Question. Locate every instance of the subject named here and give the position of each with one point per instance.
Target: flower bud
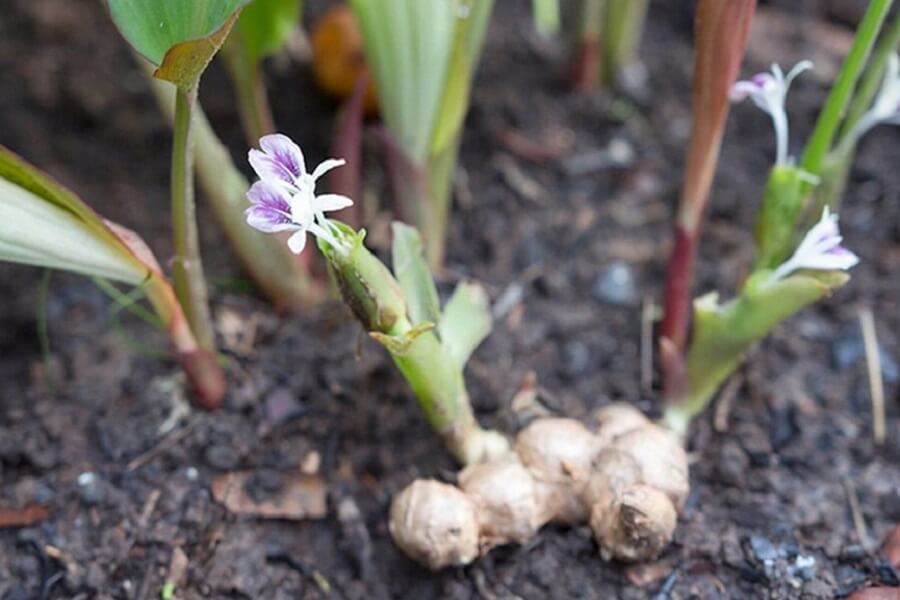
(509, 506)
(435, 524)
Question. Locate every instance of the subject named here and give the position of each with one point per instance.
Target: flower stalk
(278, 274)
(187, 267)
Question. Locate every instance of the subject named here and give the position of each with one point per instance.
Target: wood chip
(22, 517)
(301, 497)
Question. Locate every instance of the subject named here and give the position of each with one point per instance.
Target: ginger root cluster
(628, 480)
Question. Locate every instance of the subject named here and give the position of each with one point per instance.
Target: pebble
(91, 489)
(221, 457)
(616, 285)
(576, 358)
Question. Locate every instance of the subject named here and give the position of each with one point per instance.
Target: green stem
(723, 333)
(187, 268)
(435, 376)
(247, 81)
(820, 142)
(871, 79)
(264, 257)
(624, 26)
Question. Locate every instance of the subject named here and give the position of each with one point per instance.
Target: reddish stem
(721, 28)
(347, 180)
(584, 70)
(677, 298)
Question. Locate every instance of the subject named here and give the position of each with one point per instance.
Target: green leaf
(468, 37)
(266, 25)
(466, 321)
(44, 224)
(722, 334)
(180, 37)
(412, 272)
(776, 222)
(399, 345)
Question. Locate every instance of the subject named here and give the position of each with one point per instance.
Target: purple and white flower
(284, 199)
(886, 107)
(769, 91)
(820, 250)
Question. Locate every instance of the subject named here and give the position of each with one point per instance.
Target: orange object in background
(338, 56)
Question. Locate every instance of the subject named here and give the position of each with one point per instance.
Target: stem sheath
(187, 267)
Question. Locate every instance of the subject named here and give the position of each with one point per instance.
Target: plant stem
(624, 26)
(187, 268)
(871, 79)
(820, 142)
(264, 257)
(721, 30)
(250, 90)
(435, 376)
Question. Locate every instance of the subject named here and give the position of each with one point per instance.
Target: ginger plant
(800, 257)
(430, 346)
(628, 480)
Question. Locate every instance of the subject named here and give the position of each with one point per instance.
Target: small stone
(733, 464)
(576, 358)
(763, 550)
(616, 285)
(91, 489)
(192, 474)
(221, 457)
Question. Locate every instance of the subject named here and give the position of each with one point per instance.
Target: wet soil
(790, 497)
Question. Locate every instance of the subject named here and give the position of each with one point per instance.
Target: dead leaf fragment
(300, 497)
(891, 547)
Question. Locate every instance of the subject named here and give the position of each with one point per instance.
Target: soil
(790, 496)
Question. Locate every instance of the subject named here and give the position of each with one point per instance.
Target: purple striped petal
(285, 152)
(268, 169)
(270, 208)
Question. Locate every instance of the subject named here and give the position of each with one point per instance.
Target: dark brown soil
(770, 514)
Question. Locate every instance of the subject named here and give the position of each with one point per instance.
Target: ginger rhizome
(628, 480)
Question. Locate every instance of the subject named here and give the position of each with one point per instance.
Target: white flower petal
(327, 165)
(297, 242)
(329, 202)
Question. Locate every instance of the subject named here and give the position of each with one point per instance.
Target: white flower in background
(886, 107)
(284, 199)
(768, 91)
(820, 250)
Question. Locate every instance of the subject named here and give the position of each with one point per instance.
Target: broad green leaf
(466, 321)
(412, 272)
(266, 25)
(180, 37)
